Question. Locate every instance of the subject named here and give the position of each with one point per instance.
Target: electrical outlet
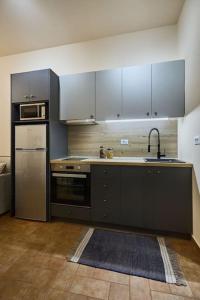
(124, 142)
(197, 140)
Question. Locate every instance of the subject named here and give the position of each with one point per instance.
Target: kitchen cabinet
(132, 196)
(167, 201)
(30, 86)
(105, 194)
(108, 94)
(156, 198)
(168, 89)
(77, 96)
(136, 92)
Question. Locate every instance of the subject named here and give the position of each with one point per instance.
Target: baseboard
(194, 239)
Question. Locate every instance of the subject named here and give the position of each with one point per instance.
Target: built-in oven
(71, 185)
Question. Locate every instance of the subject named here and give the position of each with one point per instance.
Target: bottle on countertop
(102, 152)
(110, 153)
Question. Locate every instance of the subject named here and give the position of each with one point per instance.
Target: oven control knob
(78, 167)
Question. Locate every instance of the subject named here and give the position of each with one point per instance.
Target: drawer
(107, 173)
(105, 215)
(69, 211)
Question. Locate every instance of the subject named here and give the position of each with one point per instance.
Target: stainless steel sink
(165, 160)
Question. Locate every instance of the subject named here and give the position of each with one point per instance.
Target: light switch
(124, 141)
(197, 140)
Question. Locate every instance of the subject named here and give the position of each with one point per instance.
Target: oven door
(70, 188)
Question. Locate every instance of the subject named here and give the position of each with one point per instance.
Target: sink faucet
(159, 155)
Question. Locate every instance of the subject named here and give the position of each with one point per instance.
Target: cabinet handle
(147, 113)
(105, 171)
(31, 96)
(118, 115)
(104, 200)
(91, 117)
(105, 215)
(105, 186)
(155, 113)
(26, 97)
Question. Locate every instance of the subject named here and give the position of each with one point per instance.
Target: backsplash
(86, 140)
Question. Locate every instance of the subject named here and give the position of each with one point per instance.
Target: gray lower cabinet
(158, 198)
(77, 96)
(105, 194)
(168, 89)
(168, 199)
(31, 86)
(70, 211)
(136, 92)
(108, 94)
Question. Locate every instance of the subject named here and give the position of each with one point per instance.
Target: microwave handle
(69, 175)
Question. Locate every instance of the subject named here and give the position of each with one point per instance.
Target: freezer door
(30, 136)
(30, 184)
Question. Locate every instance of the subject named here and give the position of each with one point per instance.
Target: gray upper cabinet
(30, 86)
(77, 96)
(108, 94)
(168, 89)
(136, 91)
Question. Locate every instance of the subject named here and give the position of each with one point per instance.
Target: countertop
(127, 161)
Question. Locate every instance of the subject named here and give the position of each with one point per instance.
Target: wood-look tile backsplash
(86, 140)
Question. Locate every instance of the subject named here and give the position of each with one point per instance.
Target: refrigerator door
(30, 184)
(30, 136)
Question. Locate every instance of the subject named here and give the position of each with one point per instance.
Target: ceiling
(27, 25)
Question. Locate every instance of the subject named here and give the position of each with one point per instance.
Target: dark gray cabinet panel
(168, 199)
(69, 211)
(168, 89)
(158, 198)
(105, 194)
(132, 191)
(77, 96)
(39, 85)
(30, 86)
(108, 94)
(136, 91)
(20, 90)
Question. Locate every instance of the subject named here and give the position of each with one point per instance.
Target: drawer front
(106, 214)
(105, 173)
(68, 211)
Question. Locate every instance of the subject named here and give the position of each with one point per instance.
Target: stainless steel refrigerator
(30, 171)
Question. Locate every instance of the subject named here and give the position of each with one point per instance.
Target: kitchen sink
(165, 160)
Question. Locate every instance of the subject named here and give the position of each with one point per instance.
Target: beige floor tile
(90, 287)
(163, 296)
(63, 280)
(111, 276)
(14, 290)
(195, 287)
(139, 288)
(159, 286)
(181, 290)
(85, 271)
(118, 292)
(72, 296)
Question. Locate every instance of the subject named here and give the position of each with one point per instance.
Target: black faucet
(159, 155)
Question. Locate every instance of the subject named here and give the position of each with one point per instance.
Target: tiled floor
(33, 266)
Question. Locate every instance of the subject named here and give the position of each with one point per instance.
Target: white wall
(189, 48)
(148, 46)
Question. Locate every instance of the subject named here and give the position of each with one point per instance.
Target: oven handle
(69, 175)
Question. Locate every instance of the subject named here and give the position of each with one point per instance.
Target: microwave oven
(33, 111)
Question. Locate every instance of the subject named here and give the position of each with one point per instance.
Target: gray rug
(129, 253)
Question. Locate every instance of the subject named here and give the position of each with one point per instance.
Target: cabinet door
(77, 96)
(168, 89)
(108, 94)
(168, 199)
(39, 83)
(105, 194)
(20, 87)
(132, 196)
(136, 91)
